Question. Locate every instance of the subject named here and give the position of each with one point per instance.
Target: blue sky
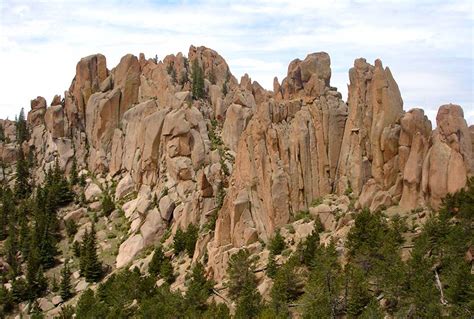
(428, 45)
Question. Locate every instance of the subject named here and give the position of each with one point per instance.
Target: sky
(428, 45)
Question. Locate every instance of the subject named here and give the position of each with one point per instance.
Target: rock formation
(248, 157)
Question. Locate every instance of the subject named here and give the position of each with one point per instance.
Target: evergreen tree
(323, 290)
(358, 292)
(199, 289)
(35, 279)
(83, 255)
(277, 244)
(198, 81)
(73, 174)
(6, 211)
(11, 248)
(22, 185)
(65, 285)
(242, 285)
(20, 290)
(91, 267)
(46, 226)
(156, 261)
(271, 266)
(167, 271)
(309, 247)
(21, 128)
(2, 133)
(107, 203)
(88, 307)
(7, 302)
(286, 288)
(24, 231)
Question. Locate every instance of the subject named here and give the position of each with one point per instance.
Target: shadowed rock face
(270, 153)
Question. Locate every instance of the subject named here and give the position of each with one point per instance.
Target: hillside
(188, 193)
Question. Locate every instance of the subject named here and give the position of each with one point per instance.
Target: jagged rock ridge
(271, 152)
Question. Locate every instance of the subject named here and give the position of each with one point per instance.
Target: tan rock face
(271, 153)
(38, 108)
(286, 157)
(413, 147)
(90, 72)
(448, 162)
(306, 78)
(374, 105)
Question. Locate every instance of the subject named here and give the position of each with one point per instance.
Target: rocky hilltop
(235, 159)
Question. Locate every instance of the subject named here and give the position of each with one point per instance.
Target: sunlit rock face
(250, 158)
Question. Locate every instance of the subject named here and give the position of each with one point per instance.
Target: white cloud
(427, 44)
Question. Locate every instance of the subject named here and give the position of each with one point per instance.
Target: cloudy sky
(428, 45)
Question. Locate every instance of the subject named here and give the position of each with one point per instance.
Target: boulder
(124, 187)
(45, 305)
(92, 192)
(75, 215)
(56, 300)
(129, 249)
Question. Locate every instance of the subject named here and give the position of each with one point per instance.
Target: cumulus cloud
(427, 44)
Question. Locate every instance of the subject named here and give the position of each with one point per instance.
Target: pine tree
(21, 128)
(358, 291)
(198, 81)
(24, 231)
(74, 175)
(7, 210)
(199, 289)
(35, 279)
(83, 255)
(286, 288)
(22, 185)
(91, 267)
(157, 261)
(65, 285)
(11, 248)
(242, 285)
(323, 290)
(271, 266)
(2, 133)
(277, 244)
(167, 271)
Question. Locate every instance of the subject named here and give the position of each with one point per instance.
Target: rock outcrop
(243, 158)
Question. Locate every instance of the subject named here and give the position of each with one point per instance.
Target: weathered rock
(92, 192)
(374, 105)
(152, 227)
(75, 215)
(129, 249)
(45, 304)
(124, 187)
(448, 161)
(56, 300)
(90, 72)
(38, 110)
(54, 120)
